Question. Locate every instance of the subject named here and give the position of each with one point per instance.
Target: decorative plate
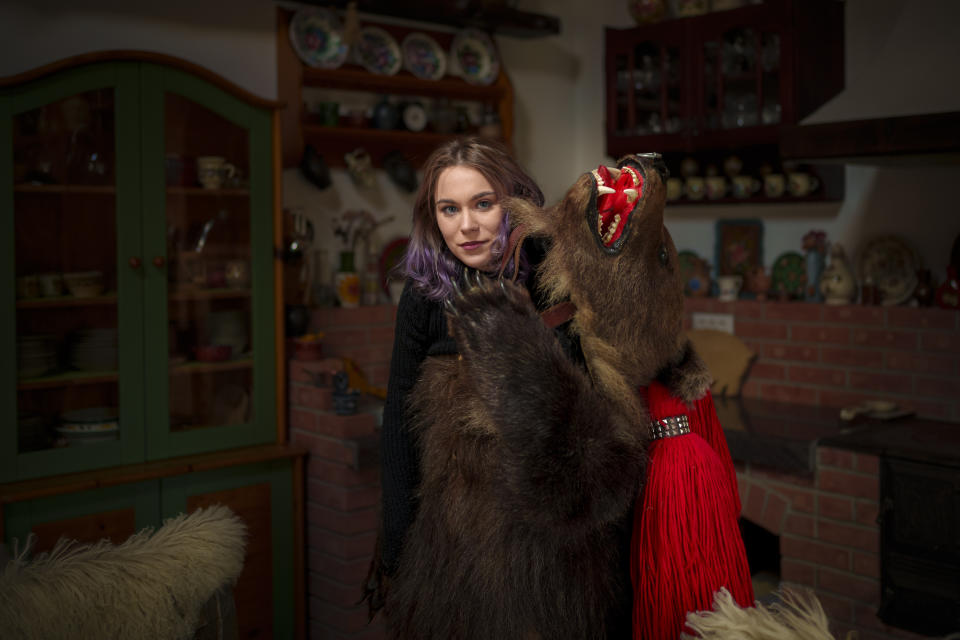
(378, 52)
(423, 57)
(789, 274)
(892, 265)
(316, 37)
(390, 257)
(474, 58)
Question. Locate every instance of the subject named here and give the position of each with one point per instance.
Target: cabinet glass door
(72, 262)
(204, 240)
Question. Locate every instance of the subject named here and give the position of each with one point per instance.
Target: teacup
(745, 186)
(801, 184)
(213, 170)
(51, 284)
(674, 188)
(774, 185)
(729, 287)
(716, 187)
(695, 187)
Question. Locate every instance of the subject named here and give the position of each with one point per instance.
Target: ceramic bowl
(84, 284)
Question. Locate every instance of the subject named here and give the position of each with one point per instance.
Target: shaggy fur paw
(484, 310)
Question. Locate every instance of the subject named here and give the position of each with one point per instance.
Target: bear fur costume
(531, 462)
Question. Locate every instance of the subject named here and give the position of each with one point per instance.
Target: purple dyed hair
(428, 262)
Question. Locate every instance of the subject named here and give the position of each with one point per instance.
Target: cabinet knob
(134, 262)
(158, 262)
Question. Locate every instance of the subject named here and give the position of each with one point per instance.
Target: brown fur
(531, 464)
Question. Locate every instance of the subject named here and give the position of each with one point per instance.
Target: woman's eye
(448, 210)
(484, 204)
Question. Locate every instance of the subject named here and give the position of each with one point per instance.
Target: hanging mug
(213, 170)
(360, 166)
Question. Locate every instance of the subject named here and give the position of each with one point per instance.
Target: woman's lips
(468, 246)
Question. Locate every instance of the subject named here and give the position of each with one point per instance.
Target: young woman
(459, 223)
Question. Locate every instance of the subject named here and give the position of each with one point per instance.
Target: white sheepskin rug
(153, 585)
(798, 616)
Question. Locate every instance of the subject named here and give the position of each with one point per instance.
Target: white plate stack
(36, 355)
(90, 425)
(94, 350)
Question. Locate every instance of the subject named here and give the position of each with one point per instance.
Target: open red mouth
(617, 193)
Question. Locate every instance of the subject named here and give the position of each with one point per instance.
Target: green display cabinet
(136, 265)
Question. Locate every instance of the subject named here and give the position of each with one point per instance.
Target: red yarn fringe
(686, 542)
(704, 422)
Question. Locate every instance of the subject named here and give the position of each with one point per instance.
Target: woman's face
(468, 215)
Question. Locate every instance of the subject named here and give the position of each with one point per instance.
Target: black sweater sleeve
(416, 328)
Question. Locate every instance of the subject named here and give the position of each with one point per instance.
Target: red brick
(342, 336)
(798, 572)
(866, 512)
(801, 501)
(846, 584)
(848, 484)
(753, 508)
(786, 393)
(341, 474)
(866, 463)
(699, 304)
(884, 338)
(768, 371)
(346, 427)
(324, 447)
(941, 387)
(329, 318)
(349, 547)
(820, 334)
(837, 609)
(834, 507)
(759, 329)
(817, 375)
(799, 525)
(773, 513)
(815, 552)
(867, 358)
(347, 571)
(346, 522)
(831, 398)
(852, 314)
(794, 312)
(866, 564)
(789, 352)
(381, 335)
(314, 370)
(751, 389)
(303, 419)
(859, 537)
(835, 458)
(313, 397)
(342, 498)
(913, 318)
(887, 382)
(920, 363)
(749, 310)
(941, 341)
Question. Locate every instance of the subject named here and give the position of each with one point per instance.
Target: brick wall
(842, 355)
(808, 353)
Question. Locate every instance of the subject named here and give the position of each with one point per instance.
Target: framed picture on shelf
(739, 246)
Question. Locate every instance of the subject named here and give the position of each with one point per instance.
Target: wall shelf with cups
(721, 81)
(423, 77)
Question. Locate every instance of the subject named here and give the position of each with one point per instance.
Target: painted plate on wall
(789, 274)
(892, 265)
(378, 52)
(423, 57)
(474, 58)
(316, 37)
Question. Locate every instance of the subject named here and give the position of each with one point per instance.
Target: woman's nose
(468, 221)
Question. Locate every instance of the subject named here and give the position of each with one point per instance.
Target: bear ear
(533, 217)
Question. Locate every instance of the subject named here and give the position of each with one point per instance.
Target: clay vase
(837, 283)
(757, 282)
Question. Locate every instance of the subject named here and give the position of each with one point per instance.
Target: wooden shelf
(753, 208)
(67, 379)
(67, 301)
(403, 83)
(334, 142)
(201, 191)
(184, 295)
(211, 367)
(72, 189)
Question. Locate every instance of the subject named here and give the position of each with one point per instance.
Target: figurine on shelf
(836, 282)
(344, 398)
(815, 250)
